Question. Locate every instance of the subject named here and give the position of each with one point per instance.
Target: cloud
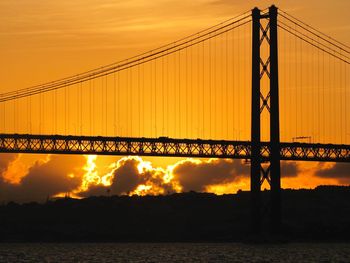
(5, 160)
(59, 174)
(132, 175)
(340, 171)
(126, 177)
(198, 175)
(289, 169)
(135, 176)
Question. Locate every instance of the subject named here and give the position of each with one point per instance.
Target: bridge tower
(265, 102)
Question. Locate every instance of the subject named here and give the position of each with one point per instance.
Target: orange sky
(47, 40)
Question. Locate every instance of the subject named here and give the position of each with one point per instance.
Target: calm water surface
(178, 252)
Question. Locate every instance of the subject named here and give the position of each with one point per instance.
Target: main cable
(124, 64)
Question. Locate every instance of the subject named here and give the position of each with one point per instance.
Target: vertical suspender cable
(300, 98)
(131, 104)
(334, 102)
(281, 55)
(90, 108)
(102, 111)
(27, 100)
(341, 96)
(330, 124)
(203, 91)
(215, 88)
(239, 95)
(3, 117)
(56, 121)
(81, 107)
(150, 107)
(179, 96)
(226, 86)
(106, 105)
(118, 122)
(296, 86)
(210, 97)
(30, 114)
(39, 113)
(65, 111)
(143, 98)
(52, 113)
(139, 100)
(233, 85)
(309, 104)
(318, 81)
(155, 98)
(186, 92)
(244, 83)
(68, 106)
(193, 101)
(93, 108)
(324, 116)
(175, 96)
(14, 116)
(114, 103)
(346, 105)
(220, 95)
(167, 95)
(127, 108)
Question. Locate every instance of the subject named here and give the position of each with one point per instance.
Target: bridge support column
(255, 187)
(260, 102)
(274, 126)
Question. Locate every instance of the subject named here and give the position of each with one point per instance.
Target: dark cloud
(46, 179)
(340, 171)
(127, 177)
(197, 176)
(289, 169)
(5, 160)
(190, 175)
(50, 178)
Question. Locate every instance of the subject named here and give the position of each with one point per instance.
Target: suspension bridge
(252, 87)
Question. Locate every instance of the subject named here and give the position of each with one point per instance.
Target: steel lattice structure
(164, 146)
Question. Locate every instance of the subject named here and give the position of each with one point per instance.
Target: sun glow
(155, 180)
(142, 189)
(91, 175)
(143, 166)
(151, 180)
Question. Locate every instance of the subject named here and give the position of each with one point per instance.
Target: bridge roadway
(164, 146)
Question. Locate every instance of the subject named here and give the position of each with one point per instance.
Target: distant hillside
(322, 214)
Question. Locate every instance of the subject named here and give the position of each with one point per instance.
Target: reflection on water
(178, 252)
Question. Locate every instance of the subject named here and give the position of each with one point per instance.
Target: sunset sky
(43, 41)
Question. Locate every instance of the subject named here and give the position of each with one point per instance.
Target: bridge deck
(163, 146)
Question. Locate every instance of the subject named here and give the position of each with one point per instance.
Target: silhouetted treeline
(320, 214)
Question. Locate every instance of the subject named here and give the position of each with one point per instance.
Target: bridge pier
(274, 126)
(261, 102)
(255, 166)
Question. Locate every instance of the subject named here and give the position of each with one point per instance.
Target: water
(178, 252)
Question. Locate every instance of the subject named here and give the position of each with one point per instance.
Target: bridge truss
(164, 146)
